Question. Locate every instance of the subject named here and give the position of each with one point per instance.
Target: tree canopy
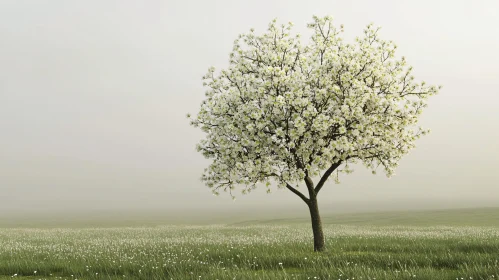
(287, 112)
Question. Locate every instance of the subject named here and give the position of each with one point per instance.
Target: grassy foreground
(253, 251)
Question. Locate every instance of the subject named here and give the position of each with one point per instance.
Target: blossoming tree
(287, 113)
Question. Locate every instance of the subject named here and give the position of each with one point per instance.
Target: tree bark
(319, 243)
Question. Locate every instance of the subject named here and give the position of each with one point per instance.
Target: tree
(290, 113)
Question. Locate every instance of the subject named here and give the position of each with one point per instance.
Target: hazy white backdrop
(93, 98)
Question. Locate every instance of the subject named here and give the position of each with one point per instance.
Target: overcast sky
(93, 98)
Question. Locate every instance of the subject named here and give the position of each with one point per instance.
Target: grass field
(453, 244)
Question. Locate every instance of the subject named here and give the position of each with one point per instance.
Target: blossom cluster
(285, 111)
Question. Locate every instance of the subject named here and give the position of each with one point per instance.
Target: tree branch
(298, 193)
(326, 176)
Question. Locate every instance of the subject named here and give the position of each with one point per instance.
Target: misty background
(94, 97)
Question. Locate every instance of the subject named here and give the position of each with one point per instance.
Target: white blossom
(283, 110)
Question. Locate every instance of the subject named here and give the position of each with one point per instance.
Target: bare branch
(326, 176)
(298, 193)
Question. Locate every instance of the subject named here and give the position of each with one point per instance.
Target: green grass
(419, 245)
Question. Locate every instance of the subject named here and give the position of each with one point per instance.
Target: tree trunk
(316, 225)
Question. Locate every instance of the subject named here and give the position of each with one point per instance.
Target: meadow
(458, 244)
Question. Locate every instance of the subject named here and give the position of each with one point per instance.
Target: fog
(94, 97)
